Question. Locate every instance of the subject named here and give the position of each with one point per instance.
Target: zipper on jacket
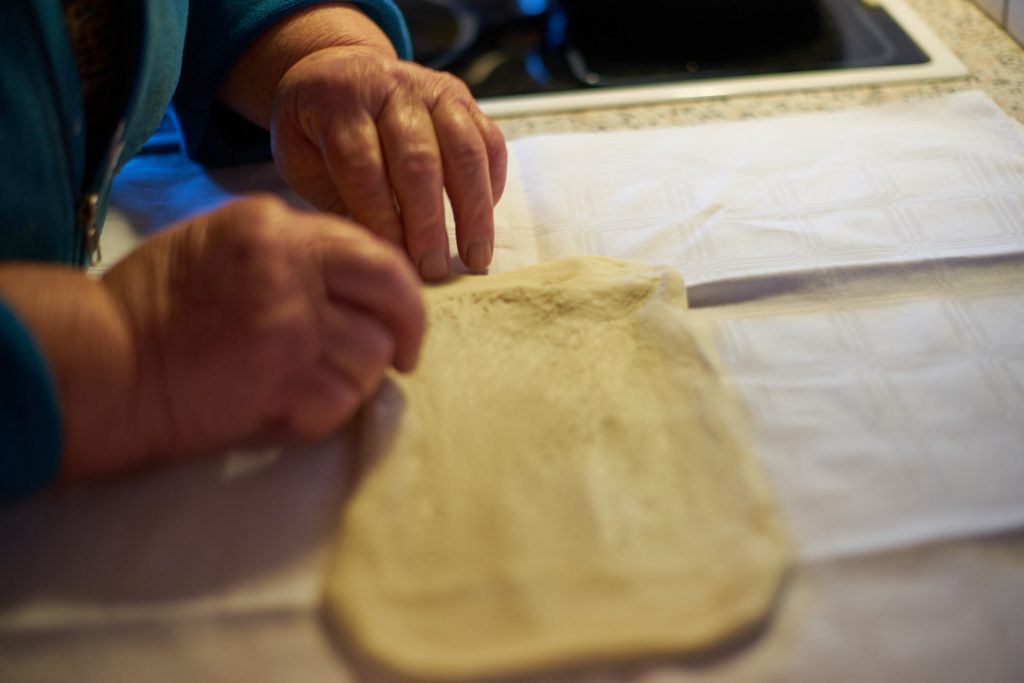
(87, 222)
(87, 208)
(95, 189)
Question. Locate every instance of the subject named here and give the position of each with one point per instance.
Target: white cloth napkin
(894, 184)
(833, 250)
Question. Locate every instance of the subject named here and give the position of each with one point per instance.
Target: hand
(358, 131)
(254, 319)
(258, 316)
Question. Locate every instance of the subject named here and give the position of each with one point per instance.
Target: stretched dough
(559, 482)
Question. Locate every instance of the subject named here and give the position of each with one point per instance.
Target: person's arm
(88, 349)
(218, 34)
(251, 320)
(356, 130)
(251, 85)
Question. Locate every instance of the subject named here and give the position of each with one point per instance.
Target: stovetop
(519, 56)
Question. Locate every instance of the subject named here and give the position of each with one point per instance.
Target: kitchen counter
(995, 60)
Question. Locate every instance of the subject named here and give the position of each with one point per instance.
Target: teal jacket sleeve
(218, 33)
(30, 429)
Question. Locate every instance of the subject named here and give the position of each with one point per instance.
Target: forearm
(89, 347)
(250, 87)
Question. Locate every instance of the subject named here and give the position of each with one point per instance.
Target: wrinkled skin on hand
(357, 132)
(259, 318)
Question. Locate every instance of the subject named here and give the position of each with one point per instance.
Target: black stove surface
(518, 47)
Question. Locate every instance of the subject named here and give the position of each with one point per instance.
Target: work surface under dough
(563, 480)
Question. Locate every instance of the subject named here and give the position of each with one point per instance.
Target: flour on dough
(561, 481)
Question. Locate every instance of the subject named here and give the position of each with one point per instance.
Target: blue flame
(532, 7)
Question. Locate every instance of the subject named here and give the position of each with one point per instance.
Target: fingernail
(478, 256)
(434, 265)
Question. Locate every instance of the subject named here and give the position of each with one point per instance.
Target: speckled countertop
(994, 59)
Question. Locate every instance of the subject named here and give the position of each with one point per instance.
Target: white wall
(994, 8)
(1015, 19)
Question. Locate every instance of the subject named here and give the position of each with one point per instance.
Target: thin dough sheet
(562, 481)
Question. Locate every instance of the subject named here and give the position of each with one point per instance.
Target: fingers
(356, 351)
(497, 152)
(364, 308)
(354, 159)
(399, 137)
(274, 249)
(372, 318)
(323, 403)
(416, 174)
(357, 347)
(449, 146)
(468, 178)
(374, 277)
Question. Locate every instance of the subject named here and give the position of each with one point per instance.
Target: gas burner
(524, 56)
